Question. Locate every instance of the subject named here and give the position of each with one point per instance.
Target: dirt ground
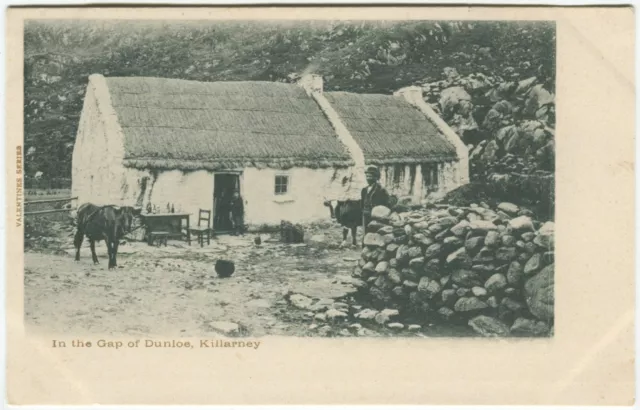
(174, 291)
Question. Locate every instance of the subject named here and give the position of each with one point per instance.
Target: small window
(412, 178)
(282, 184)
(430, 175)
(398, 175)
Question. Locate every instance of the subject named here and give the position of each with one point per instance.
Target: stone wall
(490, 269)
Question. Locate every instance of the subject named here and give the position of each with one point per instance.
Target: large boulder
(382, 267)
(461, 228)
(447, 221)
(538, 98)
(416, 263)
(423, 239)
(449, 297)
(533, 264)
(369, 267)
(511, 139)
(521, 223)
(458, 258)
(502, 111)
(446, 313)
(545, 236)
(395, 219)
(466, 278)
(506, 253)
(535, 133)
(489, 326)
(539, 293)
(433, 251)
(524, 86)
(451, 98)
(402, 253)
(373, 240)
(496, 283)
(483, 227)
(479, 291)
(432, 266)
(394, 276)
(376, 226)
(528, 327)
(429, 287)
(477, 150)
(490, 152)
(335, 314)
(366, 314)
(469, 304)
(509, 208)
(473, 245)
(388, 238)
(380, 213)
(492, 238)
(414, 252)
(452, 242)
(515, 273)
(385, 315)
(485, 255)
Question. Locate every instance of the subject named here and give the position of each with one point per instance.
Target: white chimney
(312, 83)
(412, 94)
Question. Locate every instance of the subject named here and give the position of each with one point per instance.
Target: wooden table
(166, 222)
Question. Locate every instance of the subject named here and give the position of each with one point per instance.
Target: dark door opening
(224, 185)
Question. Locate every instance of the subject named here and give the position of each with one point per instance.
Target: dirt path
(174, 291)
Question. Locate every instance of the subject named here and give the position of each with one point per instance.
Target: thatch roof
(170, 123)
(390, 130)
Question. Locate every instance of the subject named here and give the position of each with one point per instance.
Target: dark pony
(348, 214)
(109, 223)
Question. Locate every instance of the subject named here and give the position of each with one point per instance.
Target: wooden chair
(200, 230)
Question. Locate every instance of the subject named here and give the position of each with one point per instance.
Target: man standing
(373, 195)
(237, 213)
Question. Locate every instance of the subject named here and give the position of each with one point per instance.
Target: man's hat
(371, 170)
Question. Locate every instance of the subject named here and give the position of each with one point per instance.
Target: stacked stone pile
(491, 269)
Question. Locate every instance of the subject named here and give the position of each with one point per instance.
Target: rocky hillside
(499, 117)
(509, 128)
(492, 81)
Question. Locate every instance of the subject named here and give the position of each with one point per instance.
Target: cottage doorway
(224, 185)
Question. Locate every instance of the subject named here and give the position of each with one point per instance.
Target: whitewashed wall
(98, 151)
(414, 188)
(191, 191)
(308, 189)
(450, 176)
(404, 187)
(187, 191)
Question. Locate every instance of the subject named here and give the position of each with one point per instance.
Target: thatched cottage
(285, 147)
